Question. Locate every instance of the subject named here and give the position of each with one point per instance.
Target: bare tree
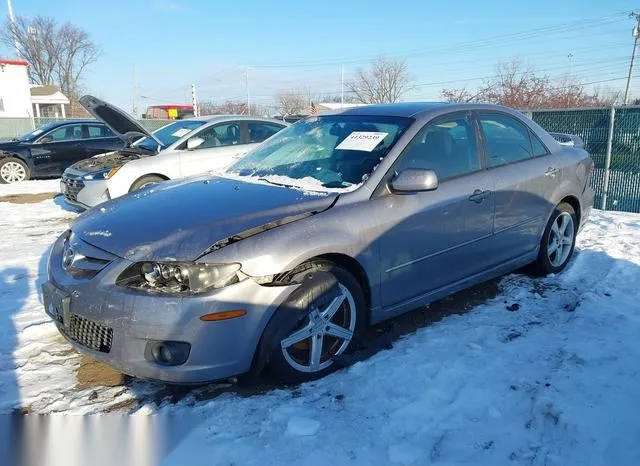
(56, 54)
(228, 107)
(386, 81)
(293, 102)
(519, 86)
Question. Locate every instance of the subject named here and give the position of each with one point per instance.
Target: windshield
(32, 135)
(169, 134)
(338, 151)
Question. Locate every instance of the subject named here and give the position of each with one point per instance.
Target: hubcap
(560, 239)
(324, 334)
(12, 172)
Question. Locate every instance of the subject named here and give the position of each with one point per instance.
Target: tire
(146, 181)
(321, 284)
(13, 170)
(557, 244)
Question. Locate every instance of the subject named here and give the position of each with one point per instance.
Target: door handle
(478, 196)
(551, 171)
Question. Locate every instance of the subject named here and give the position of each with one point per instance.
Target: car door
(57, 149)
(433, 239)
(222, 142)
(259, 131)
(522, 175)
(99, 139)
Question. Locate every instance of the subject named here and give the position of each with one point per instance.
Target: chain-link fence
(612, 137)
(14, 127)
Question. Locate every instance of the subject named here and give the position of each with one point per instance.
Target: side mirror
(414, 180)
(45, 139)
(194, 142)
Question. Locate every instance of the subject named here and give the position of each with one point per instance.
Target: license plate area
(56, 303)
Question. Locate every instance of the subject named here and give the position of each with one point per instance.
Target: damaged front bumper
(121, 326)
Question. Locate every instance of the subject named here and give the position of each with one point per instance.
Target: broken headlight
(179, 277)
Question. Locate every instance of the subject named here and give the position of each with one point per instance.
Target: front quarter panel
(166, 165)
(348, 229)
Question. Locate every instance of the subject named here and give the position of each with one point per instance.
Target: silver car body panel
(407, 250)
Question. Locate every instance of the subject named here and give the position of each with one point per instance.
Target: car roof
(74, 121)
(221, 118)
(414, 109)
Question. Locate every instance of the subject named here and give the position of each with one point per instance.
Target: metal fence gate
(612, 137)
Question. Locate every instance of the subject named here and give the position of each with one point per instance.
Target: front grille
(89, 334)
(72, 188)
(82, 260)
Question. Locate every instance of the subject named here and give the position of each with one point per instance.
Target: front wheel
(13, 170)
(332, 317)
(558, 241)
(145, 181)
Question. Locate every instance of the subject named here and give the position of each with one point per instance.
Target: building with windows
(48, 101)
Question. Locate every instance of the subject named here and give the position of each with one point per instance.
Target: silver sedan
(338, 222)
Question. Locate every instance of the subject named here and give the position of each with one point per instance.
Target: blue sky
(299, 44)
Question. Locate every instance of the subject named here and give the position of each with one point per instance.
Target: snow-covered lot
(545, 372)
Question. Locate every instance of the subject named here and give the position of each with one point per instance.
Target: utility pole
(194, 100)
(12, 21)
(135, 92)
(248, 91)
(636, 33)
(342, 87)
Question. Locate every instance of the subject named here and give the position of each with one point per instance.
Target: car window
(537, 146)
(258, 132)
(446, 145)
(506, 139)
(99, 131)
(66, 133)
(220, 135)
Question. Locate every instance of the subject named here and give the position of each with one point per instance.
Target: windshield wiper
(277, 184)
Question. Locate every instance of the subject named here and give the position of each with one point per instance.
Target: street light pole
(12, 21)
(636, 33)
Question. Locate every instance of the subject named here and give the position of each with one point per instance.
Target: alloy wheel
(12, 172)
(324, 334)
(561, 239)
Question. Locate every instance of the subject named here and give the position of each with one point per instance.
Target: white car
(179, 149)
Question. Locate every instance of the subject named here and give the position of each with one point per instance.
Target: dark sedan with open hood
(337, 222)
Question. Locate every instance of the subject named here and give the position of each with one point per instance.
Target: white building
(48, 101)
(15, 96)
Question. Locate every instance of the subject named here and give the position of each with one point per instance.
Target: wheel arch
(352, 266)
(159, 175)
(575, 203)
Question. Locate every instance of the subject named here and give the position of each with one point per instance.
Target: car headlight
(102, 175)
(179, 277)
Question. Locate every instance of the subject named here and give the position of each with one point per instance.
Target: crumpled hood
(180, 220)
(107, 160)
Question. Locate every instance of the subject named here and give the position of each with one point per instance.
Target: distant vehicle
(335, 223)
(179, 149)
(48, 150)
(169, 112)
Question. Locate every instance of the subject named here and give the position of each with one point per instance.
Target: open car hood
(120, 122)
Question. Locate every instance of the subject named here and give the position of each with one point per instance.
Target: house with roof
(48, 101)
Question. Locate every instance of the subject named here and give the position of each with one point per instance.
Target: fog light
(167, 353)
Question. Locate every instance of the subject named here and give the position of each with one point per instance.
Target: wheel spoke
(567, 240)
(339, 332)
(555, 232)
(297, 336)
(553, 247)
(333, 307)
(563, 224)
(316, 352)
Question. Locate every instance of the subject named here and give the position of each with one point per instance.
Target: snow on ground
(545, 373)
(31, 187)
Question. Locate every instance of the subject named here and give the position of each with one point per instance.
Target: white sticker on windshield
(362, 140)
(181, 132)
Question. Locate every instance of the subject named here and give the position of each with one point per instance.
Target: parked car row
(339, 221)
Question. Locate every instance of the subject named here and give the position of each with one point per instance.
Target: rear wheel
(13, 170)
(145, 181)
(558, 241)
(327, 325)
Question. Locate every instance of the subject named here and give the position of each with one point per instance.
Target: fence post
(607, 162)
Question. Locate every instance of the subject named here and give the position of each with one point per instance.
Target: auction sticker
(362, 140)
(181, 132)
